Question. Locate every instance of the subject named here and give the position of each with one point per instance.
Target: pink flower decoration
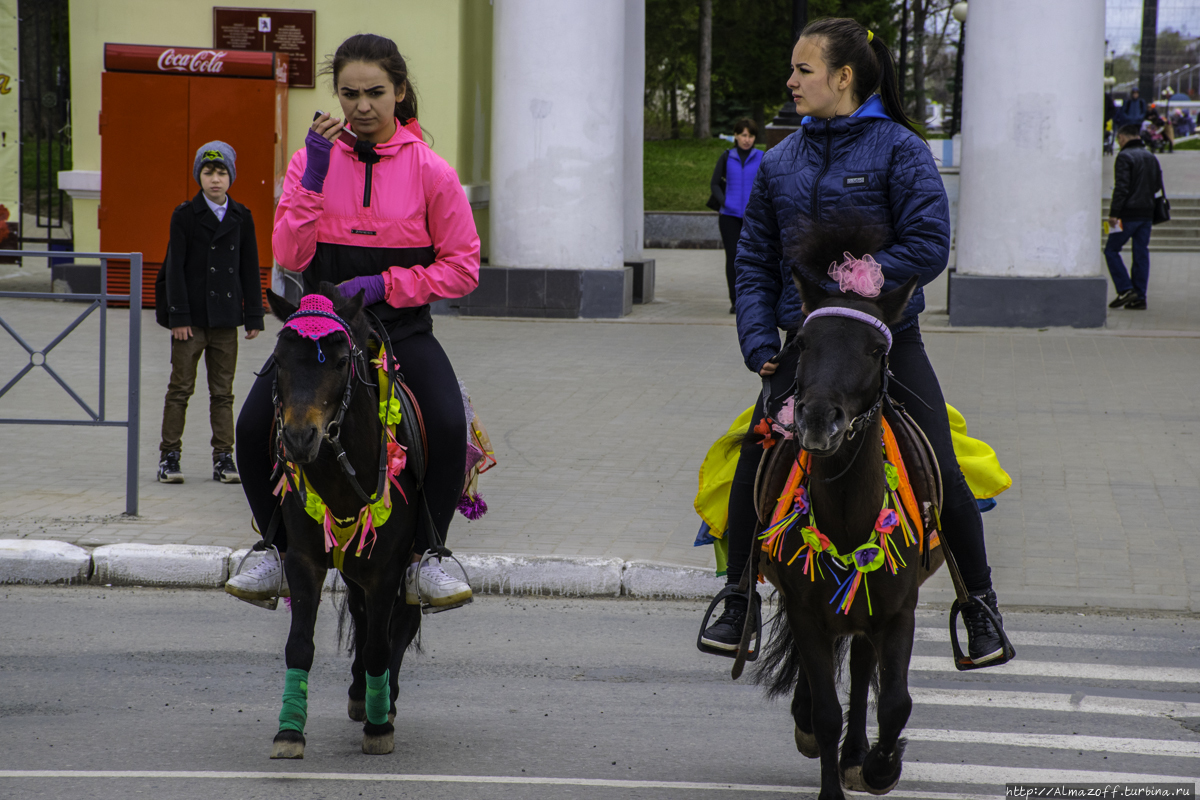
(863, 276)
(887, 521)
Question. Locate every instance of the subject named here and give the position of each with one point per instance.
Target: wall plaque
(282, 30)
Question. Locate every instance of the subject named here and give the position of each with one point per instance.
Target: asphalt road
(120, 693)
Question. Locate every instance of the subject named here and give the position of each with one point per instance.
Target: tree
(704, 73)
(671, 28)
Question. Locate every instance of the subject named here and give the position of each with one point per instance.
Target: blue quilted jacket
(865, 164)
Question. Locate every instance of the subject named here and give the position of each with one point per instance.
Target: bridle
(333, 431)
(860, 422)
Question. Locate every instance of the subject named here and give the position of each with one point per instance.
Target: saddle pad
(918, 455)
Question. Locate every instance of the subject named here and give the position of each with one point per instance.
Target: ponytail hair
(847, 43)
(381, 51)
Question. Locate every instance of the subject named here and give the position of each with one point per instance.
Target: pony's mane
(817, 243)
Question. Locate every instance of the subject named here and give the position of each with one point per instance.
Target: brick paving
(601, 425)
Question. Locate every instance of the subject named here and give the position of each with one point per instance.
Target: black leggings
(428, 372)
(962, 526)
(731, 231)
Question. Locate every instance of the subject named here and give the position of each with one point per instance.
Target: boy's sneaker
(1137, 303)
(1123, 298)
(224, 470)
(260, 581)
(437, 587)
(168, 468)
(984, 643)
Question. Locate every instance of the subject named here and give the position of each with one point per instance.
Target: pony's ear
(349, 307)
(280, 307)
(812, 294)
(893, 304)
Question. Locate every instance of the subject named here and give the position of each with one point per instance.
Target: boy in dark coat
(212, 287)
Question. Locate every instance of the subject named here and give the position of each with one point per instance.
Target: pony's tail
(818, 243)
(779, 665)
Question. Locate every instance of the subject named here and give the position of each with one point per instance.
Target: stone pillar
(635, 87)
(557, 170)
(1029, 235)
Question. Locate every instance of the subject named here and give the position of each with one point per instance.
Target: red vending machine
(159, 104)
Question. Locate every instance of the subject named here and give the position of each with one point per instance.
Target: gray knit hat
(216, 152)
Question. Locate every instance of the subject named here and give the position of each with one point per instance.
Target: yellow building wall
(431, 36)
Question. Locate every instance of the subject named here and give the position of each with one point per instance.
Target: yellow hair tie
(870, 36)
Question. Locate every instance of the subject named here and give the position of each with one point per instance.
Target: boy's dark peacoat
(212, 268)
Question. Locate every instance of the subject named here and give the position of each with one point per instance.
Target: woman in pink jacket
(386, 217)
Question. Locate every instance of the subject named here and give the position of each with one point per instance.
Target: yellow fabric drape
(976, 458)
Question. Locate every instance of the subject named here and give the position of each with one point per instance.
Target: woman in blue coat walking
(731, 182)
(856, 156)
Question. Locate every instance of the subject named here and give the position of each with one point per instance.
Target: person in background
(1134, 108)
(212, 287)
(731, 182)
(1131, 215)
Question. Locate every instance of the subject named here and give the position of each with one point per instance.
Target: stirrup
(426, 606)
(272, 603)
(753, 623)
(962, 661)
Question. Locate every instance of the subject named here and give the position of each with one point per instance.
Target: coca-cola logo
(206, 61)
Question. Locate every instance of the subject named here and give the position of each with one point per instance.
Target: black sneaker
(726, 632)
(1123, 298)
(984, 643)
(224, 470)
(168, 468)
(1137, 303)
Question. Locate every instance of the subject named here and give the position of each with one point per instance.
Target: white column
(634, 91)
(1030, 195)
(558, 135)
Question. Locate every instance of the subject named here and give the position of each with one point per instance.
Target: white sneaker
(437, 587)
(259, 582)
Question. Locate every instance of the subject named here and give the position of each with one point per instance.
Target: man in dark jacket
(212, 287)
(1130, 216)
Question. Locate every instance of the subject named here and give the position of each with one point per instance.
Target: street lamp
(959, 12)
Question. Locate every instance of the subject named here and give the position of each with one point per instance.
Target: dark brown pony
(313, 380)
(840, 398)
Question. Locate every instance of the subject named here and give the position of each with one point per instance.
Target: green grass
(678, 171)
(1191, 144)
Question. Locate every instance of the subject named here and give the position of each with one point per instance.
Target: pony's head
(843, 345)
(314, 359)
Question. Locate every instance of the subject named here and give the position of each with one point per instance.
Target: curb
(32, 561)
(29, 561)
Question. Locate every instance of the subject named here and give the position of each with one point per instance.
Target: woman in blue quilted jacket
(856, 155)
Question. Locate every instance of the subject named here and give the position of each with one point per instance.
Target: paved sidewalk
(600, 427)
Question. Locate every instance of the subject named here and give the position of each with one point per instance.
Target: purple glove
(317, 148)
(372, 287)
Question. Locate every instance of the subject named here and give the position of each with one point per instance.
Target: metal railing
(38, 358)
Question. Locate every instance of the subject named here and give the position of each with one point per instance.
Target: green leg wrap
(294, 713)
(378, 698)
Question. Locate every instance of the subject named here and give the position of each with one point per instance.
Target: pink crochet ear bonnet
(316, 319)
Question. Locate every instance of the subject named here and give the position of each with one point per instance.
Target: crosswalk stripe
(1053, 669)
(984, 775)
(1104, 744)
(740, 788)
(1075, 641)
(914, 771)
(1048, 701)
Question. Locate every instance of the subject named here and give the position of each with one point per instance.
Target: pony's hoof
(852, 779)
(865, 787)
(378, 740)
(357, 709)
(806, 743)
(288, 744)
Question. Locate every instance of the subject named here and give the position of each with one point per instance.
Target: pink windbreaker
(416, 201)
